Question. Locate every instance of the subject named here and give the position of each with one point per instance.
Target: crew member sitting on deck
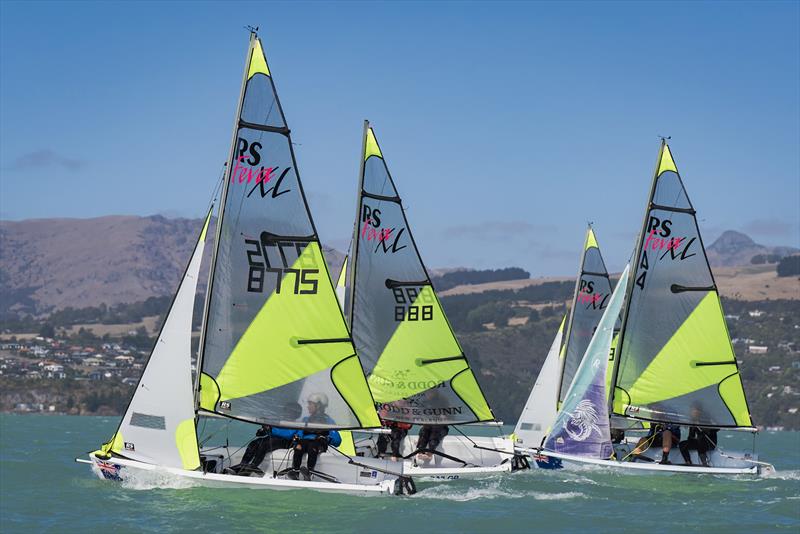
(313, 442)
(700, 439)
(430, 437)
(660, 435)
(267, 440)
(398, 434)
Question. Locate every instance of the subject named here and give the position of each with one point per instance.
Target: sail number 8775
(413, 303)
(305, 280)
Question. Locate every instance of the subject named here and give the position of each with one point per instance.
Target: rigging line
(756, 462)
(475, 445)
(283, 460)
(649, 443)
(443, 455)
(206, 440)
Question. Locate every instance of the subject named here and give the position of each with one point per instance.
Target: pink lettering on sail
(242, 172)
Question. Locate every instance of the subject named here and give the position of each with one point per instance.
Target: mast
(354, 242)
(221, 214)
(571, 318)
(632, 279)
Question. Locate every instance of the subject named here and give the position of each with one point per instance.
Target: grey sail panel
(676, 361)
(275, 335)
(592, 292)
(417, 371)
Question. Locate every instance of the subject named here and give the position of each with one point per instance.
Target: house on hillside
(757, 349)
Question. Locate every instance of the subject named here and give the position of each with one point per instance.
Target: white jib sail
(158, 427)
(540, 410)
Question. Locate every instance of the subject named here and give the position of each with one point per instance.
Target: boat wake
(793, 474)
(156, 479)
(449, 492)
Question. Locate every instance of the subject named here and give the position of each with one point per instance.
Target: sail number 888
(413, 303)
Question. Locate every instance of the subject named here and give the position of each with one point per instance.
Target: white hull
(719, 463)
(121, 469)
(495, 457)
(421, 472)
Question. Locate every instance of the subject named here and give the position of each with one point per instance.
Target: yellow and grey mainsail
(416, 369)
(592, 292)
(676, 360)
(274, 333)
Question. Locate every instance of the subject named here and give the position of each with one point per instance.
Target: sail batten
(676, 362)
(416, 368)
(275, 334)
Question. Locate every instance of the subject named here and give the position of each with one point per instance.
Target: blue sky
(507, 126)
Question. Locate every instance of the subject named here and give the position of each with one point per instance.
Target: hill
(49, 264)
(735, 249)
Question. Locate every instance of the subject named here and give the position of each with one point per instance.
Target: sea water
(42, 489)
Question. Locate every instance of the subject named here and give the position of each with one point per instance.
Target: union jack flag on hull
(110, 471)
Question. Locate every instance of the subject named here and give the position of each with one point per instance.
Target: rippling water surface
(42, 489)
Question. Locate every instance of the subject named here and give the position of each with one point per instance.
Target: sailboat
(590, 299)
(674, 363)
(417, 371)
(273, 341)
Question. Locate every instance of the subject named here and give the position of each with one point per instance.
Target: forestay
(582, 426)
(592, 291)
(274, 331)
(417, 370)
(158, 426)
(676, 361)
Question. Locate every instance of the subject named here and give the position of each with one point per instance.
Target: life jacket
(396, 424)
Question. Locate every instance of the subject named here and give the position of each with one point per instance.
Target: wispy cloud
(40, 159)
(768, 227)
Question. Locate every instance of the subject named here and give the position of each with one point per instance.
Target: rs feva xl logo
(587, 295)
(248, 156)
(387, 239)
(662, 244)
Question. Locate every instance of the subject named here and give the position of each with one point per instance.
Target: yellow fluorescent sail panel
(667, 163)
(372, 148)
(398, 373)
(591, 240)
(343, 274)
(258, 63)
(268, 356)
(672, 374)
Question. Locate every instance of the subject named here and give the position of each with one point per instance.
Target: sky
(506, 126)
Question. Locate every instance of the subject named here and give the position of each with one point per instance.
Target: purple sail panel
(582, 426)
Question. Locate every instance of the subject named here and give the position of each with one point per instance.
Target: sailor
(430, 437)
(313, 442)
(268, 438)
(399, 431)
(660, 435)
(700, 439)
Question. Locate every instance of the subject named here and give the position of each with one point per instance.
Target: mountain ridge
(50, 264)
